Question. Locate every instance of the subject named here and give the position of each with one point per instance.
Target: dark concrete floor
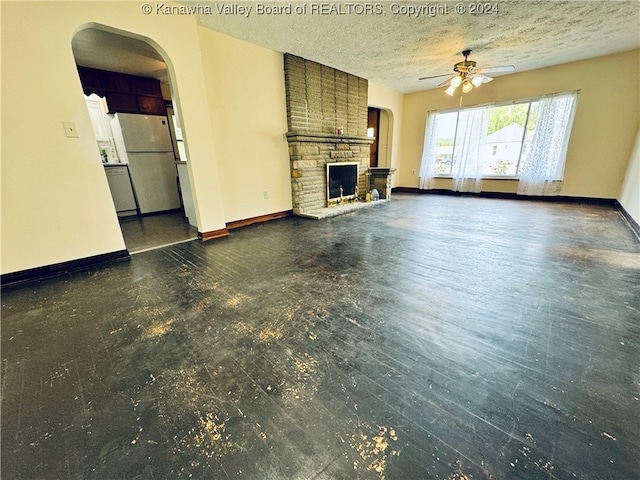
(428, 338)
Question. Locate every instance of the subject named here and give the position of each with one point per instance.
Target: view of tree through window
(503, 147)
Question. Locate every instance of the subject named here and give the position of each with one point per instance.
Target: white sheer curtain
(466, 166)
(428, 165)
(544, 168)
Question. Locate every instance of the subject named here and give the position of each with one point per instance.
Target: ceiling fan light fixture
(466, 75)
(478, 80)
(456, 81)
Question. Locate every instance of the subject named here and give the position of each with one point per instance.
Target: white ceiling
(394, 50)
(116, 53)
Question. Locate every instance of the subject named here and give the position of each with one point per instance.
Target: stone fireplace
(327, 121)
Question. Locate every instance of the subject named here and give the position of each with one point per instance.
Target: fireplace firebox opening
(342, 182)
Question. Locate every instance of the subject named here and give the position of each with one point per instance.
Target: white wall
(607, 119)
(56, 204)
(629, 196)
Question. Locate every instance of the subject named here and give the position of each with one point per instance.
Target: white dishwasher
(124, 197)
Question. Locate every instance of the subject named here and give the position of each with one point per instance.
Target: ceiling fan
(467, 76)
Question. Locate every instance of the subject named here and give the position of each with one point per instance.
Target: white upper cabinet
(99, 117)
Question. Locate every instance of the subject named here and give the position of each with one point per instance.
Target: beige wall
(603, 133)
(247, 110)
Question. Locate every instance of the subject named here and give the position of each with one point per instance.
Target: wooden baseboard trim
(206, 236)
(223, 232)
(635, 226)
(259, 219)
(22, 277)
(610, 202)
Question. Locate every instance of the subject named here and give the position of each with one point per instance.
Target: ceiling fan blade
(500, 69)
(446, 82)
(435, 76)
(481, 78)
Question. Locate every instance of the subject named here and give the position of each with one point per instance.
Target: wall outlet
(265, 194)
(70, 129)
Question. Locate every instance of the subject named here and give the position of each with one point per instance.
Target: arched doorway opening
(127, 86)
(380, 128)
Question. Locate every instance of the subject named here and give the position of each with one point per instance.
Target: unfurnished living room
(315, 240)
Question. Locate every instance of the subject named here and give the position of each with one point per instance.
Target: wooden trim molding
(206, 236)
(22, 277)
(223, 232)
(259, 219)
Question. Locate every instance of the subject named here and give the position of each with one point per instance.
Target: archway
(127, 85)
(380, 127)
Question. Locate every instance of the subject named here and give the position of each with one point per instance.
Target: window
(496, 141)
(502, 144)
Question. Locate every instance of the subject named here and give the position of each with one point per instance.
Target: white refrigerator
(144, 142)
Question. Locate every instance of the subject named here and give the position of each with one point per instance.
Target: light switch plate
(70, 129)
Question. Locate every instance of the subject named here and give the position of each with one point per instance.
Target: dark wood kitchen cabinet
(151, 105)
(121, 102)
(124, 93)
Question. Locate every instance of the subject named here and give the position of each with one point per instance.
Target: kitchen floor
(147, 232)
(429, 337)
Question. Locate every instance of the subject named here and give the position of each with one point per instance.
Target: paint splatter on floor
(267, 334)
(243, 328)
(236, 300)
(211, 436)
(304, 384)
(306, 365)
(270, 334)
(158, 330)
(374, 448)
(609, 436)
(458, 474)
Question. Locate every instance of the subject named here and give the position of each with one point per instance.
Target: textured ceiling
(393, 49)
